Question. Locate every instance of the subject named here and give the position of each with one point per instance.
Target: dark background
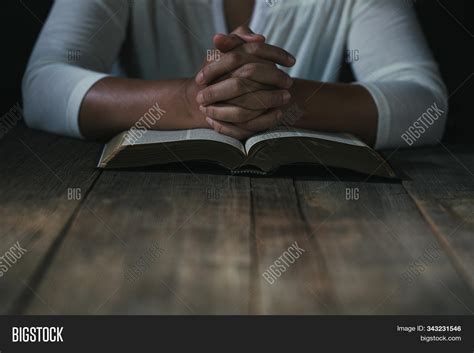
(448, 25)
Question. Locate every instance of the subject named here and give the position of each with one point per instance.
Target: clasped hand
(243, 92)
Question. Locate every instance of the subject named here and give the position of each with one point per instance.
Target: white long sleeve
(397, 68)
(169, 39)
(77, 47)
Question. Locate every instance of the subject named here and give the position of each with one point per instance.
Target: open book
(260, 154)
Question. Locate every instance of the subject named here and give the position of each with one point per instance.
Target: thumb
(244, 32)
(241, 35)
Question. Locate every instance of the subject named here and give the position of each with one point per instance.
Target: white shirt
(86, 40)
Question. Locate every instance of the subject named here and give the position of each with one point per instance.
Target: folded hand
(243, 92)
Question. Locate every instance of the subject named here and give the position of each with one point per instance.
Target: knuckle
(248, 70)
(210, 111)
(235, 58)
(205, 72)
(205, 110)
(253, 48)
(208, 95)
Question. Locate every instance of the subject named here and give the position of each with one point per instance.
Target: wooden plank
(361, 257)
(379, 254)
(154, 243)
(441, 182)
(37, 170)
(277, 226)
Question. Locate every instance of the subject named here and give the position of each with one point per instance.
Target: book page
(285, 132)
(144, 137)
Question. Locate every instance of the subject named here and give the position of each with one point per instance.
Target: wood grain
(441, 182)
(278, 225)
(377, 254)
(154, 243)
(36, 171)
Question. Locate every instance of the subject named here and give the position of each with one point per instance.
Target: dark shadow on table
(297, 172)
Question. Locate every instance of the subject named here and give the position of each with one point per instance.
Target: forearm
(115, 104)
(333, 108)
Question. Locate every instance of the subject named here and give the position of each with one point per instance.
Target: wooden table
(157, 241)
